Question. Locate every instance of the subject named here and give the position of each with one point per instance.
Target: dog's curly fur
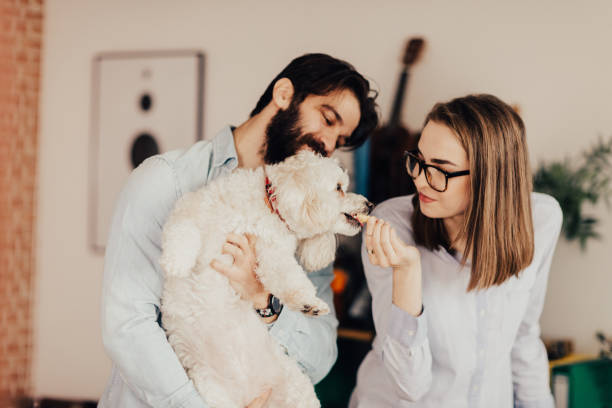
(220, 340)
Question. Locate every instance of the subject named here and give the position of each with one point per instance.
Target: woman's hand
(241, 273)
(261, 400)
(386, 249)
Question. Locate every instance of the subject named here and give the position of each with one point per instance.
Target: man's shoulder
(151, 185)
(194, 158)
(195, 166)
(183, 169)
(159, 178)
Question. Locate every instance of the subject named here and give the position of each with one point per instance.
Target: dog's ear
(300, 196)
(317, 252)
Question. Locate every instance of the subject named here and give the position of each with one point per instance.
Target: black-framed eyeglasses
(436, 177)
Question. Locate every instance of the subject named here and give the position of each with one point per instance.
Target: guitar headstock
(413, 50)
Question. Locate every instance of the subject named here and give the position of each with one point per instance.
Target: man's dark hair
(321, 74)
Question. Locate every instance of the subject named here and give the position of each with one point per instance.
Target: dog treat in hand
(362, 218)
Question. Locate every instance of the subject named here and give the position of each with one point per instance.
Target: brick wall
(20, 46)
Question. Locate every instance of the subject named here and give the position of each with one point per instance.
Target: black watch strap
(274, 307)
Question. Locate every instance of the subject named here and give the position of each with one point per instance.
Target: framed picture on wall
(143, 103)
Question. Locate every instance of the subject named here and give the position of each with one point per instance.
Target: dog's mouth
(352, 220)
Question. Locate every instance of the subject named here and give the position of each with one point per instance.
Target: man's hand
(260, 401)
(241, 273)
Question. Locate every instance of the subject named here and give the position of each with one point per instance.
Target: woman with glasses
(458, 271)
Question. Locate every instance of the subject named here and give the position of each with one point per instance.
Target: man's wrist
(273, 307)
(260, 300)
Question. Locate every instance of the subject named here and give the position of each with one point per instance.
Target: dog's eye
(338, 187)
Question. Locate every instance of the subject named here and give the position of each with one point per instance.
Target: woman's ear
(282, 93)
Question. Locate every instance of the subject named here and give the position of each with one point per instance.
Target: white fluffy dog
(293, 208)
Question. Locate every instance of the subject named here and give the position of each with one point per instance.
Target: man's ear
(282, 93)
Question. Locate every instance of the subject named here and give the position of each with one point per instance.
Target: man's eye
(328, 121)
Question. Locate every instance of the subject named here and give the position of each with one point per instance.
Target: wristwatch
(273, 309)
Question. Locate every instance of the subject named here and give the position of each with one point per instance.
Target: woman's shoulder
(547, 220)
(546, 211)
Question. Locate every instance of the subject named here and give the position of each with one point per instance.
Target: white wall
(552, 59)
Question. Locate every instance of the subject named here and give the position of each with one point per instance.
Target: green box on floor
(583, 384)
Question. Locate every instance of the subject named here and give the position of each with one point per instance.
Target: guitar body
(387, 169)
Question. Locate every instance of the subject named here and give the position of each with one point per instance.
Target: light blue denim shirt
(146, 372)
(478, 349)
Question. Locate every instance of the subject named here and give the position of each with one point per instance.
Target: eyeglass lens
(435, 178)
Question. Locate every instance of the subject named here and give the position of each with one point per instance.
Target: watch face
(276, 305)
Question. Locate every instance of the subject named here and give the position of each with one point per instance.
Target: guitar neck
(398, 102)
(411, 55)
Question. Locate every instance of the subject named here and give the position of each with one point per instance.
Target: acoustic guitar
(388, 176)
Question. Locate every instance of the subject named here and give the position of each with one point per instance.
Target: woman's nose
(420, 180)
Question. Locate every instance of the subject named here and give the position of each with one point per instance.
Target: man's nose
(329, 139)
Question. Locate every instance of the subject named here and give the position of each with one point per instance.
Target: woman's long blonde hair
(497, 225)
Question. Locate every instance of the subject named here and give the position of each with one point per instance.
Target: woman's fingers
(369, 238)
(379, 254)
(383, 246)
(388, 250)
(396, 242)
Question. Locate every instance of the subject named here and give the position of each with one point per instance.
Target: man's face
(319, 123)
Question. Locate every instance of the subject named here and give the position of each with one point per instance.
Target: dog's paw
(316, 308)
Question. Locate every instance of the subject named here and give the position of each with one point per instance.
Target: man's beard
(284, 136)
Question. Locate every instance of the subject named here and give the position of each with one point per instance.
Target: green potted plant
(575, 181)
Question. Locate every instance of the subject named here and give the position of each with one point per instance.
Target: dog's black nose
(370, 206)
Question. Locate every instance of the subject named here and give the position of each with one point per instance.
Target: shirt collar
(224, 149)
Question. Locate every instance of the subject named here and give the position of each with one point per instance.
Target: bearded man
(317, 102)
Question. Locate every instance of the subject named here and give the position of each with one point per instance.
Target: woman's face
(440, 147)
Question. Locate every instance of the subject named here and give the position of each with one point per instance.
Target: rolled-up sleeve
(530, 371)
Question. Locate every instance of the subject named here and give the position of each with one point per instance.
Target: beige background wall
(550, 57)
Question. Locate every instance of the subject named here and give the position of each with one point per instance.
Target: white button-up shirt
(467, 349)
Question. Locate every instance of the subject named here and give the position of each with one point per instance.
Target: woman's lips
(425, 199)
